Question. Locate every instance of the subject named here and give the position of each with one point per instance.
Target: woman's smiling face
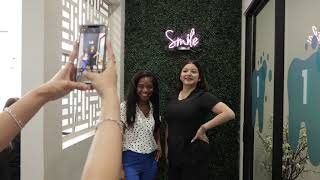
(189, 75)
(145, 88)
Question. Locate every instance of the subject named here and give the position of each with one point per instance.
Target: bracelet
(14, 117)
(119, 123)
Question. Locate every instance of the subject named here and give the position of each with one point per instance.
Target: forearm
(24, 109)
(111, 105)
(166, 134)
(166, 141)
(219, 119)
(104, 158)
(157, 137)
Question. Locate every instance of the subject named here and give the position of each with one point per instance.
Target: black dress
(10, 161)
(188, 161)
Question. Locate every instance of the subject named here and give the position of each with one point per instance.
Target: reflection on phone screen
(91, 50)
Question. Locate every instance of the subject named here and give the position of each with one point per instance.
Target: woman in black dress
(188, 145)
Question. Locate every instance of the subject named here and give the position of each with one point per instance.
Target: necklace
(185, 94)
(182, 96)
(145, 109)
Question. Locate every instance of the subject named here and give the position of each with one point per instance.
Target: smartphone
(92, 51)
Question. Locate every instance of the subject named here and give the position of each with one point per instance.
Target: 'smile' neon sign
(190, 40)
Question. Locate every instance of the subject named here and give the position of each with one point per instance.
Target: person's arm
(159, 149)
(224, 114)
(166, 143)
(123, 118)
(25, 108)
(104, 158)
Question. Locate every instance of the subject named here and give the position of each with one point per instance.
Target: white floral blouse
(139, 138)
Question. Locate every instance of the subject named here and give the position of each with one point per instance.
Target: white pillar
(117, 22)
(42, 156)
(32, 150)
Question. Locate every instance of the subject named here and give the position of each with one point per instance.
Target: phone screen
(92, 50)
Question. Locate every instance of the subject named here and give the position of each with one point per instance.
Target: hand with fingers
(201, 135)
(62, 83)
(158, 152)
(122, 174)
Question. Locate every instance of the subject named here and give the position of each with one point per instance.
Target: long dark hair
(132, 98)
(9, 102)
(202, 84)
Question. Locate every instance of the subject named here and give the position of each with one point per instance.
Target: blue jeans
(139, 166)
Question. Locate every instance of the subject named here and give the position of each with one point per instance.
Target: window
(80, 110)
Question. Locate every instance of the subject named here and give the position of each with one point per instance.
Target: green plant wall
(218, 25)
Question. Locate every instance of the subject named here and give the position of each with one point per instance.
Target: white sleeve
(123, 116)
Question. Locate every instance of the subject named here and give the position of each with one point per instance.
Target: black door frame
(278, 89)
(248, 131)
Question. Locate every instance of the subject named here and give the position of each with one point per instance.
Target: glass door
(301, 135)
(259, 90)
(262, 92)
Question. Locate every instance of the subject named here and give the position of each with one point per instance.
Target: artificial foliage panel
(217, 24)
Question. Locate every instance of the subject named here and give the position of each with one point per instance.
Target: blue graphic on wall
(304, 101)
(258, 91)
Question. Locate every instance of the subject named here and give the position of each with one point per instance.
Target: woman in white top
(141, 139)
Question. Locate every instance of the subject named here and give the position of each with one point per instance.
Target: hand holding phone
(92, 51)
(105, 82)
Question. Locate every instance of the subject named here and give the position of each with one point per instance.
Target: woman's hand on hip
(201, 135)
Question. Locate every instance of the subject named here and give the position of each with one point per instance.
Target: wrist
(108, 92)
(40, 94)
(204, 128)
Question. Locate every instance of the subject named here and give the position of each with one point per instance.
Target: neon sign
(183, 44)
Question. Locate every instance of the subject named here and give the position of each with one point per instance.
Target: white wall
(42, 155)
(10, 49)
(32, 150)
